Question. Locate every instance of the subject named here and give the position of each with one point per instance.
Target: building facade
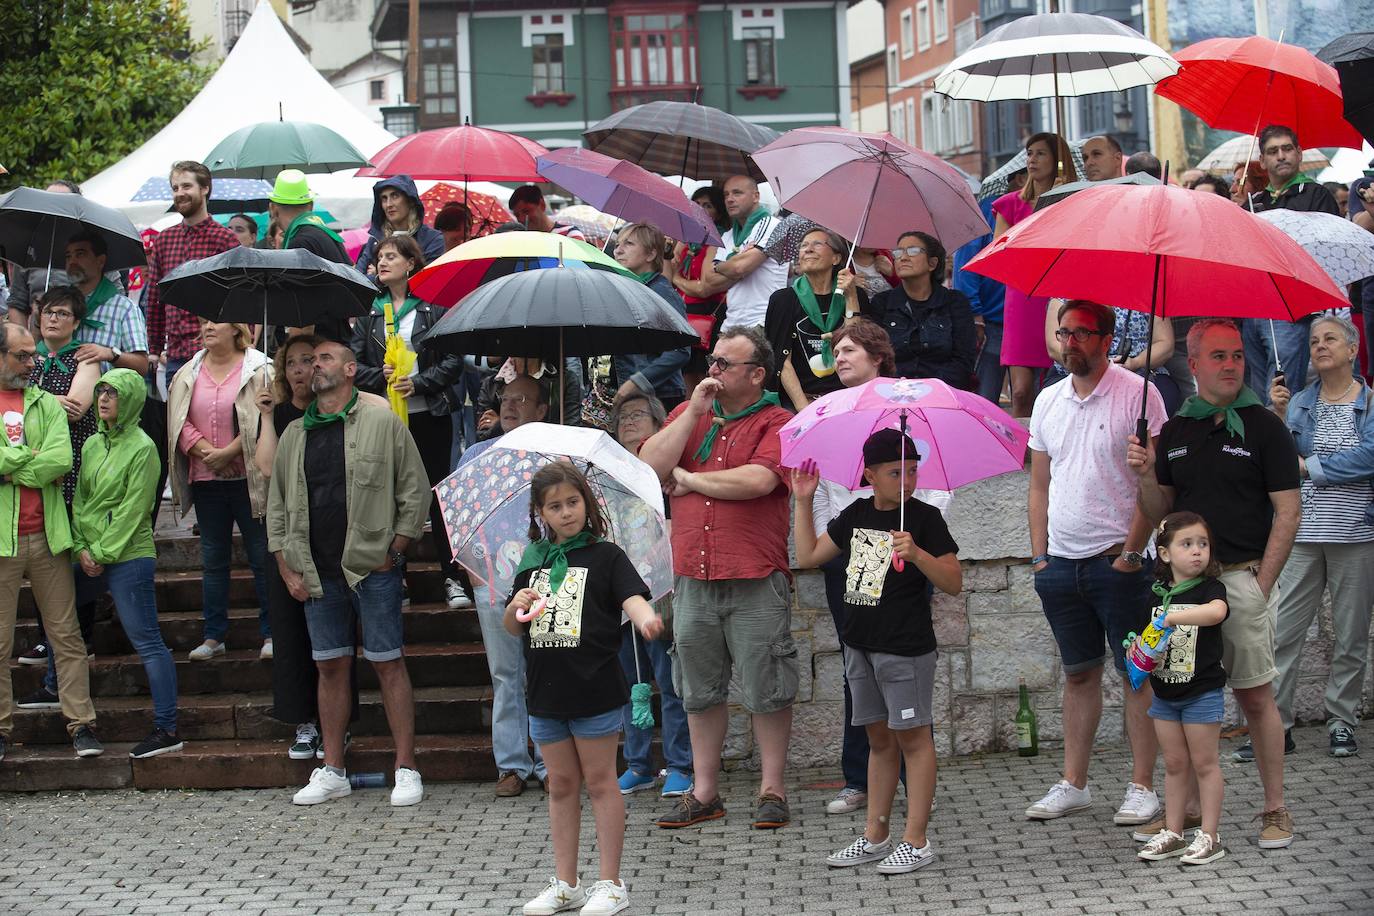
(550, 69)
(867, 36)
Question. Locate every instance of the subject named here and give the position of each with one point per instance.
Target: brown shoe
(1277, 831)
(688, 811)
(771, 813)
(510, 784)
(1148, 832)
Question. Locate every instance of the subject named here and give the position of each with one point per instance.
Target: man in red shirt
(720, 454)
(174, 333)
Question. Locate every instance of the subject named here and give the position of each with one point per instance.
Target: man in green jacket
(348, 494)
(35, 536)
(112, 535)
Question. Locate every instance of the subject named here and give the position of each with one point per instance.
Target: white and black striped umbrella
(1055, 55)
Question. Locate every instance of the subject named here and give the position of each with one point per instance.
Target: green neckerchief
(1166, 593)
(308, 218)
(721, 418)
(379, 306)
(314, 419)
(742, 232)
(543, 553)
(1300, 178)
(104, 291)
(833, 316)
(648, 277)
(52, 360)
(1196, 408)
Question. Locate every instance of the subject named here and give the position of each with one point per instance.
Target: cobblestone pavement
(464, 851)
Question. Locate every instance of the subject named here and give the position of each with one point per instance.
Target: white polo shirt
(746, 303)
(1092, 491)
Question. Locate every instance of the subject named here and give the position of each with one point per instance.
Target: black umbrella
(291, 288)
(35, 226)
(1056, 194)
(681, 138)
(1353, 57)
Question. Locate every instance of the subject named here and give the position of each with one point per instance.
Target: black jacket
(933, 339)
(438, 373)
(1308, 197)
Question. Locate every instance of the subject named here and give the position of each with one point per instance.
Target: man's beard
(1077, 364)
(323, 382)
(186, 206)
(77, 276)
(11, 381)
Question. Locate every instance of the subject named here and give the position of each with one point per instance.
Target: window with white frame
(911, 121)
(908, 45)
(965, 34)
(758, 56)
(941, 12)
(922, 25)
(893, 77)
(376, 90)
(963, 124)
(930, 124)
(895, 122)
(546, 52)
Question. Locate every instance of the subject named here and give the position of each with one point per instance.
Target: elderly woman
(802, 317)
(639, 249)
(1333, 422)
(213, 436)
(931, 325)
(634, 418)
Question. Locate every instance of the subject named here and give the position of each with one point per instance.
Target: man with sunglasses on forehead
(719, 459)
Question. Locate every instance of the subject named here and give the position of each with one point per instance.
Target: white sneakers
(604, 899)
(325, 785)
(454, 594)
(1140, 806)
(408, 790)
(1063, 798)
(265, 653)
(206, 651)
(848, 801)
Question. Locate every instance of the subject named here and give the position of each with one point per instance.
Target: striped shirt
(1335, 514)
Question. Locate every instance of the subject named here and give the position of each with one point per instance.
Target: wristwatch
(1134, 557)
(397, 558)
(117, 352)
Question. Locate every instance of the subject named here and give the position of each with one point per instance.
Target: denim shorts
(1086, 601)
(551, 731)
(1205, 709)
(333, 618)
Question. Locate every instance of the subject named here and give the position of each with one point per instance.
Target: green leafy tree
(85, 82)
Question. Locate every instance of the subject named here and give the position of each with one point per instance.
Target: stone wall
(989, 636)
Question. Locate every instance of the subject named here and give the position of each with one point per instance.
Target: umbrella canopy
(1213, 258)
(681, 138)
(1343, 249)
(1353, 57)
(1239, 150)
(486, 502)
(1246, 83)
(560, 312)
(998, 183)
(1056, 194)
(590, 221)
(1055, 54)
(293, 288)
(627, 191)
(463, 153)
(262, 150)
(959, 437)
(35, 225)
(870, 187)
(461, 270)
(487, 212)
(785, 242)
(227, 195)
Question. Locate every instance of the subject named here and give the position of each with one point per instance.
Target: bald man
(1101, 158)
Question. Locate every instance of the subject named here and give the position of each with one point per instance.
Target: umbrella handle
(898, 563)
(534, 613)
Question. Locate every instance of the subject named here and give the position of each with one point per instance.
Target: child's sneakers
(906, 858)
(859, 852)
(1204, 849)
(556, 898)
(607, 897)
(1165, 844)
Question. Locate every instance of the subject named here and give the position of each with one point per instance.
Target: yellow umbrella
(400, 359)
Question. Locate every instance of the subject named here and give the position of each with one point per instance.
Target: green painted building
(548, 70)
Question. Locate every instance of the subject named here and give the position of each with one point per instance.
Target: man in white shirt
(1086, 538)
(742, 271)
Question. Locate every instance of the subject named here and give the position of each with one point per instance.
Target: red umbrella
(464, 153)
(1245, 83)
(487, 212)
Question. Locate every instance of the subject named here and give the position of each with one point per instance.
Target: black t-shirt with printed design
(572, 651)
(1192, 666)
(888, 611)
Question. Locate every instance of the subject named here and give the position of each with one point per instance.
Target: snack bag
(1143, 651)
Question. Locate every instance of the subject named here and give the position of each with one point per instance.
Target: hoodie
(112, 513)
(431, 240)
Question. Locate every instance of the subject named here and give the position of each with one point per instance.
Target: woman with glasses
(931, 325)
(802, 317)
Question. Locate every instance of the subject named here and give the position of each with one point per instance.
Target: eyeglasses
(515, 400)
(58, 313)
(634, 416)
(1079, 334)
(910, 251)
(105, 391)
(813, 246)
(725, 365)
(24, 356)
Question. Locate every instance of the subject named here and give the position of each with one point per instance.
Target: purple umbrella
(627, 191)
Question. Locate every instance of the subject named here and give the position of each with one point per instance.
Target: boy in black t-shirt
(889, 637)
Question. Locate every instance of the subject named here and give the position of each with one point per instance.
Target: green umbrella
(262, 150)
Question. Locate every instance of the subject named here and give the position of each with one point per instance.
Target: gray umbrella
(35, 226)
(1055, 195)
(681, 138)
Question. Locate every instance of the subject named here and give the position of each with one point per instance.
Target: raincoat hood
(132, 392)
(406, 185)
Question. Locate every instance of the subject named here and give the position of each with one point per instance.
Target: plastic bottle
(1027, 735)
(367, 780)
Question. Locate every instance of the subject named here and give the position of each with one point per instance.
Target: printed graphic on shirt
(14, 427)
(560, 626)
(870, 552)
(1180, 663)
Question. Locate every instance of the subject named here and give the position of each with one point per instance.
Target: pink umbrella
(870, 187)
(354, 240)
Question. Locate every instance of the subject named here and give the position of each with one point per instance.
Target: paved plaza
(464, 851)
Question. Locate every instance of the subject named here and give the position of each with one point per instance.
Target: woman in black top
(802, 316)
(931, 326)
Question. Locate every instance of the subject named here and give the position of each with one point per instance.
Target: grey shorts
(745, 624)
(897, 689)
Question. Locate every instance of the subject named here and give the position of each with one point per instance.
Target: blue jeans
(988, 368)
(333, 618)
(510, 722)
(221, 504)
(654, 665)
(854, 750)
(1087, 601)
(135, 597)
(1294, 351)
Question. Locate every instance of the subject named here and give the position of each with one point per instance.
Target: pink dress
(1023, 317)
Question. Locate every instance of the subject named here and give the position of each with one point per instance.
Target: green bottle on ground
(1027, 735)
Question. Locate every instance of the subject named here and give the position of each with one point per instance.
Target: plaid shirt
(174, 329)
(123, 327)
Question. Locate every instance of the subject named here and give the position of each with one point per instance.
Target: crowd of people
(1252, 489)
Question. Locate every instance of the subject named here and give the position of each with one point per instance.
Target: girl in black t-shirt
(565, 605)
(1188, 681)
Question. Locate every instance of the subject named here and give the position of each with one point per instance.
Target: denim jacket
(657, 373)
(1349, 466)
